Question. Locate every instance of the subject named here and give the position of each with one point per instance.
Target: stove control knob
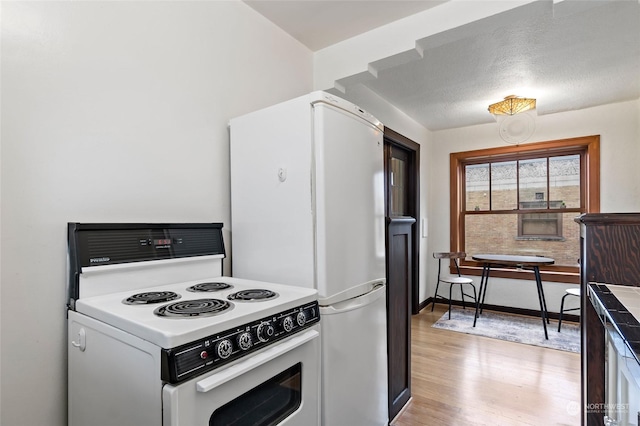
(301, 318)
(244, 341)
(224, 348)
(287, 324)
(265, 331)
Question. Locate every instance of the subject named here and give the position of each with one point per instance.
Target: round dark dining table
(514, 261)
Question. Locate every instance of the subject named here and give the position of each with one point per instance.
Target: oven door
(278, 385)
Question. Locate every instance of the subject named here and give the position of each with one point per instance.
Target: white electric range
(158, 336)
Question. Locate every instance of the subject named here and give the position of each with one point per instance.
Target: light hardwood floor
(459, 379)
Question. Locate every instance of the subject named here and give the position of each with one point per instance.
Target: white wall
(619, 128)
(114, 111)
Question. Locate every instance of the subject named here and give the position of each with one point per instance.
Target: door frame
(393, 138)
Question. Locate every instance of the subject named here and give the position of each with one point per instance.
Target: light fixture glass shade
(512, 105)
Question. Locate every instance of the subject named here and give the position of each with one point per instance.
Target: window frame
(589, 148)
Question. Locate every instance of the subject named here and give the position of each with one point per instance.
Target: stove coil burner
(253, 295)
(215, 286)
(151, 297)
(194, 308)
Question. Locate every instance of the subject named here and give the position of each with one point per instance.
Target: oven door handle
(219, 378)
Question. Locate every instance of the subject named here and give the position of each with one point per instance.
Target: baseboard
(506, 309)
(423, 304)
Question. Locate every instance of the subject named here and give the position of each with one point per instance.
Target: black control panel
(108, 244)
(97, 244)
(190, 360)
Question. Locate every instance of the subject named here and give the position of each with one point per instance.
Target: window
(523, 200)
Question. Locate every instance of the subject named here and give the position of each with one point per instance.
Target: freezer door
(354, 361)
(348, 185)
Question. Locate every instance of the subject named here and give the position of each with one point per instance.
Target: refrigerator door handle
(355, 303)
(352, 293)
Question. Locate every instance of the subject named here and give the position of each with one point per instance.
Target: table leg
(543, 304)
(477, 300)
(544, 300)
(484, 281)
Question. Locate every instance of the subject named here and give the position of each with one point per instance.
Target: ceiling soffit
(569, 55)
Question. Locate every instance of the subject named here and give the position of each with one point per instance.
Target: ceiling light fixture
(512, 105)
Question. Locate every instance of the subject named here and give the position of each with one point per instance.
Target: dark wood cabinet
(609, 254)
(399, 244)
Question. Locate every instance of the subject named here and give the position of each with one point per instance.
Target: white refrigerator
(307, 209)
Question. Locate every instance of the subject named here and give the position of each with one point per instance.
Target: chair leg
(450, 287)
(561, 310)
(462, 295)
(435, 295)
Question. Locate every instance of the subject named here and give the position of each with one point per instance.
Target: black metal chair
(568, 292)
(454, 280)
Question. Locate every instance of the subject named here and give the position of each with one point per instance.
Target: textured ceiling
(569, 55)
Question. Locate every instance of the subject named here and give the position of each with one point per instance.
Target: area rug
(513, 328)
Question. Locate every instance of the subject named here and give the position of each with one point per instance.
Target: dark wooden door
(401, 212)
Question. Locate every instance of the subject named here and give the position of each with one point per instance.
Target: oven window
(265, 405)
